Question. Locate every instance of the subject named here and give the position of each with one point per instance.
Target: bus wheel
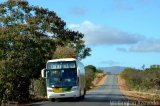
(79, 97)
(83, 96)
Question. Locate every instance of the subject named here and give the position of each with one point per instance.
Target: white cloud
(78, 11)
(151, 45)
(103, 35)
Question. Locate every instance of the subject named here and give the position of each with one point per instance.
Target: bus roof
(62, 59)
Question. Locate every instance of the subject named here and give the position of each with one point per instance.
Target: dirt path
(99, 80)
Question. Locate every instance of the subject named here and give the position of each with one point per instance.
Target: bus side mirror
(43, 73)
(78, 71)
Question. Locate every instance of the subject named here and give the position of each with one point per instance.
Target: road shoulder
(135, 95)
(99, 81)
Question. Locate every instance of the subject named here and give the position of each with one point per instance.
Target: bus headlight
(74, 88)
(49, 90)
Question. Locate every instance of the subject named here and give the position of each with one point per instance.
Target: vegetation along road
(107, 94)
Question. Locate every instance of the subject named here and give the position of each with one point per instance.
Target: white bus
(65, 78)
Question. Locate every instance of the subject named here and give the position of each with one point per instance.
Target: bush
(90, 74)
(38, 88)
(142, 79)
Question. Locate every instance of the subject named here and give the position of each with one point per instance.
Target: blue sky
(119, 32)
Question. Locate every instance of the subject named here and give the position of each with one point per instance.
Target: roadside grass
(33, 100)
(153, 95)
(98, 81)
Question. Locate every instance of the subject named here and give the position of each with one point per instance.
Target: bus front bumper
(63, 95)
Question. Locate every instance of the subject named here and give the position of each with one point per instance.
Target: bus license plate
(62, 94)
(57, 90)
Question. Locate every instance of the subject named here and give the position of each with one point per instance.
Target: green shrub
(90, 74)
(38, 88)
(142, 79)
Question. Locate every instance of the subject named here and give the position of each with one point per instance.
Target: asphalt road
(106, 95)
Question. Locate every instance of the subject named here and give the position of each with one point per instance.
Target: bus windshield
(61, 65)
(61, 74)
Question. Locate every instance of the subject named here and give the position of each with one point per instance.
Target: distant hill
(113, 69)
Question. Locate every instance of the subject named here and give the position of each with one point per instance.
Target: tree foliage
(29, 36)
(99, 71)
(64, 52)
(72, 39)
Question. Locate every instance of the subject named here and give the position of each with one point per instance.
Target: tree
(143, 66)
(29, 36)
(72, 39)
(64, 52)
(99, 71)
(90, 74)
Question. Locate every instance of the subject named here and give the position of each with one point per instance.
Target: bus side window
(72, 65)
(77, 80)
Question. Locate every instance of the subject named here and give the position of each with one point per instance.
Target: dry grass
(98, 81)
(136, 94)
